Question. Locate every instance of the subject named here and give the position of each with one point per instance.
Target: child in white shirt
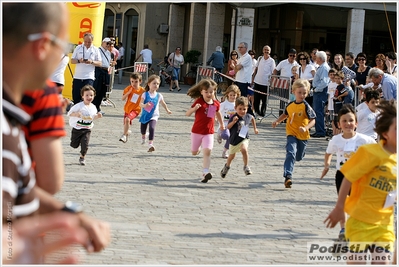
(367, 116)
(227, 108)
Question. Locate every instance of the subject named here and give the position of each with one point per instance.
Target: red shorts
(132, 115)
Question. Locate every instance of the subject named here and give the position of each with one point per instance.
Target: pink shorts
(204, 140)
(132, 115)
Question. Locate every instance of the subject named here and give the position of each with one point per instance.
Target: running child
(300, 118)
(368, 116)
(206, 107)
(150, 110)
(370, 175)
(343, 146)
(227, 108)
(81, 117)
(239, 139)
(132, 95)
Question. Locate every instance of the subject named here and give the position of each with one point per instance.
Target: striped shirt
(44, 106)
(18, 178)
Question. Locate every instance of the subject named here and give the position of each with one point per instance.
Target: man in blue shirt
(388, 83)
(320, 84)
(217, 59)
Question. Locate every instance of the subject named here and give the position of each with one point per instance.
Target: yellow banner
(84, 17)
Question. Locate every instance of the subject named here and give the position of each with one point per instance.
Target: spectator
(261, 79)
(320, 95)
(176, 60)
(362, 70)
(231, 65)
(43, 27)
(243, 71)
(350, 61)
(58, 76)
(217, 59)
(338, 62)
(119, 60)
(328, 53)
(306, 72)
(313, 58)
(390, 61)
(388, 83)
(284, 68)
(146, 53)
(102, 77)
(86, 57)
(380, 63)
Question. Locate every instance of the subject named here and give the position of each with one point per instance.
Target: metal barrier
(142, 68)
(205, 72)
(278, 94)
(108, 101)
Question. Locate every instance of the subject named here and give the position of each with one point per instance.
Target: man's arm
(49, 170)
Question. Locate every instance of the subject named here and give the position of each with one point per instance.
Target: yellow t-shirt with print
(299, 115)
(372, 172)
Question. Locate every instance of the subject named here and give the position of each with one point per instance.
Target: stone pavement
(161, 214)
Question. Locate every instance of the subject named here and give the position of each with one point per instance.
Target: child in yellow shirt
(300, 118)
(370, 174)
(132, 95)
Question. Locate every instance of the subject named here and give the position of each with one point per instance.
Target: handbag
(169, 69)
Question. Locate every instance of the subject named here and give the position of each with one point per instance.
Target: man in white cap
(86, 57)
(102, 73)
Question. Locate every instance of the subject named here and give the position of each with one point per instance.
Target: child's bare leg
(230, 159)
(126, 126)
(244, 152)
(206, 163)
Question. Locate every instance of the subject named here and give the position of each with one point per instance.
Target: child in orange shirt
(132, 95)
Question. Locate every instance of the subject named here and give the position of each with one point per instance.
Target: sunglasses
(302, 58)
(361, 59)
(291, 55)
(109, 43)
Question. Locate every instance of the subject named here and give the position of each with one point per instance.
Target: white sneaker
(225, 154)
(123, 138)
(151, 148)
(142, 141)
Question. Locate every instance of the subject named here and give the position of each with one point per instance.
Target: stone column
(355, 31)
(214, 25)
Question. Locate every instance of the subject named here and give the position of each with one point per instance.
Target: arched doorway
(131, 21)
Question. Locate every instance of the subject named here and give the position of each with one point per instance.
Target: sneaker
(224, 171)
(142, 141)
(151, 149)
(82, 161)
(219, 138)
(123, 138)
(206, 177)
(247, 170)
(288, 181)
(225, 154)
(341, 235)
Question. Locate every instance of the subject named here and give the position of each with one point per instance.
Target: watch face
(73, 207)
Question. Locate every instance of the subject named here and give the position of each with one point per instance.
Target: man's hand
(98, 231)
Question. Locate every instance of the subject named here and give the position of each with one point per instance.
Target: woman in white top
(306, 71)
(175, 59)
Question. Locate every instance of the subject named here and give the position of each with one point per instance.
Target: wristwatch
(72, 207)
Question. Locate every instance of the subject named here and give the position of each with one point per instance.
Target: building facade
(338, 27)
